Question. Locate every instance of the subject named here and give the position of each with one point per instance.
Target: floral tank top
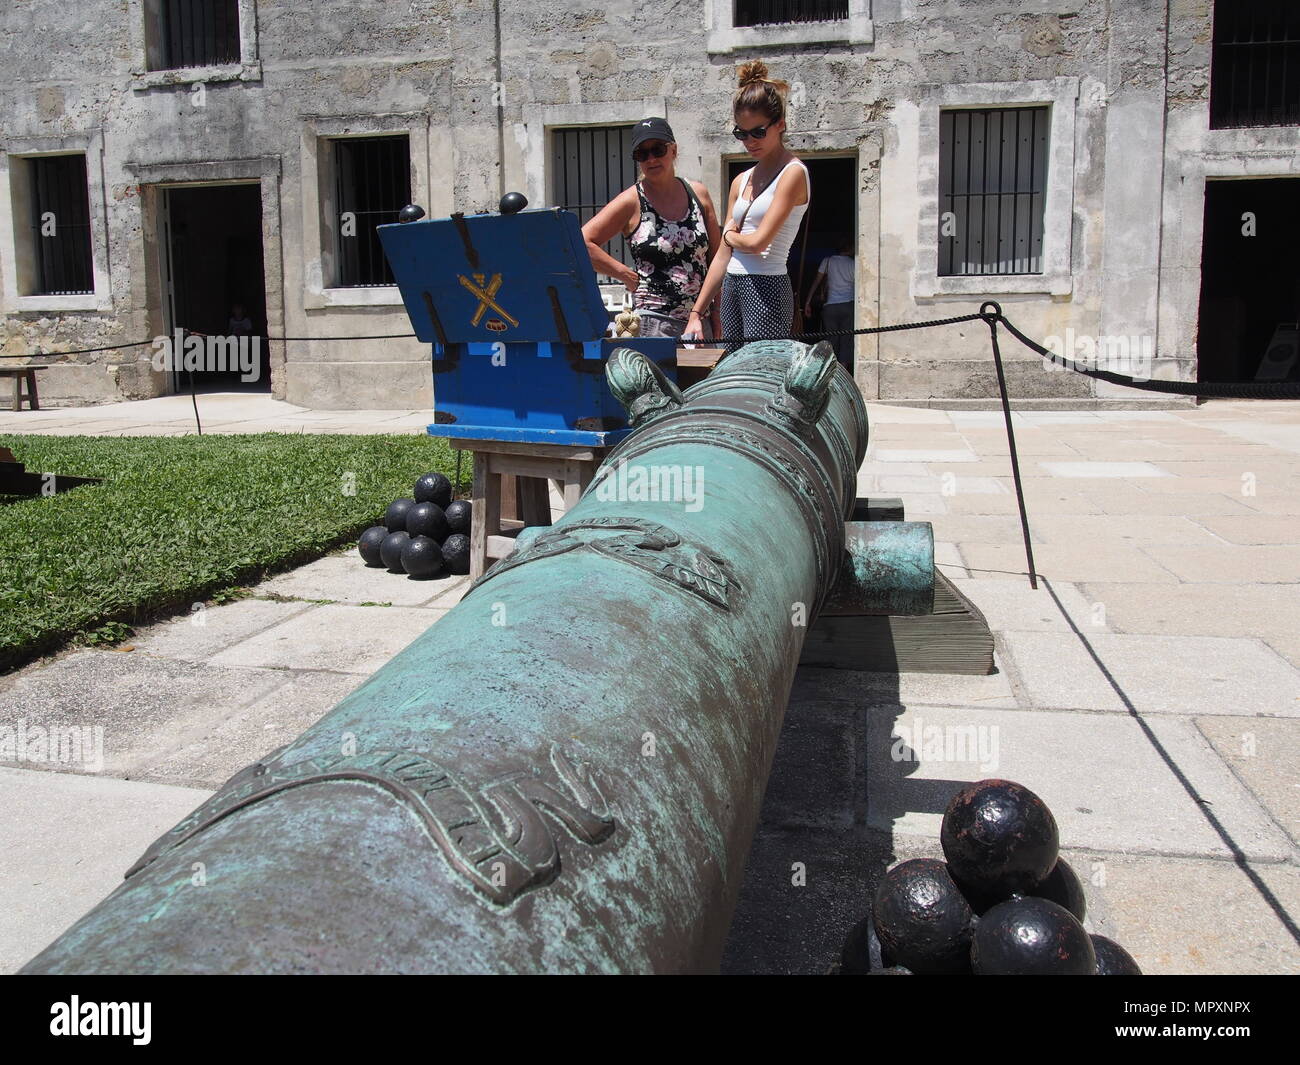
(671, 257)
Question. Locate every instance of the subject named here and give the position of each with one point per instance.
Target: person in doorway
(240, 325)
(672, 230)
(836, 273)
(765, 206)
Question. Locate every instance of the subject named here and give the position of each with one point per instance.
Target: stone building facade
(233, 170)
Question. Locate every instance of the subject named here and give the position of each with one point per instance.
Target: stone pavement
(1148, 691)
(219, 412)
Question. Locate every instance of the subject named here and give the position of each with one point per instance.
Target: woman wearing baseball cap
(671, 228)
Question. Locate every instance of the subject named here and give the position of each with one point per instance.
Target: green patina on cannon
(563, 774)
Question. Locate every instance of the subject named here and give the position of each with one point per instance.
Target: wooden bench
(21, 374)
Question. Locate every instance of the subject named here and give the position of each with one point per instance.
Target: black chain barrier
(990, 313)
(1208, 389)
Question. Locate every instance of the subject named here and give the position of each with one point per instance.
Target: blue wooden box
(510, 304)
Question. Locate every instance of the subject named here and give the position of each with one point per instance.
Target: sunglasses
(658, 151)
(757, 133)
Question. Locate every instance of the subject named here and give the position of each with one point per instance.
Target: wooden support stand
(952, 638)
(511, 490)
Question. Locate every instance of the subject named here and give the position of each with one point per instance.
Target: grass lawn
(178, 519)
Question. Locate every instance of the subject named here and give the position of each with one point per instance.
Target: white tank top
(772, 261)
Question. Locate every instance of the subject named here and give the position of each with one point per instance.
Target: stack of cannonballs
(424, 536)
(1004, 903)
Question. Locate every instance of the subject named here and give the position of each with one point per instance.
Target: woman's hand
(694, 327)
(630, 278)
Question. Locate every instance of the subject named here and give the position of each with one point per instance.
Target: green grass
(178, 520)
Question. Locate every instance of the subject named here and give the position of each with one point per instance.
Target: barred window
(195, 33)
(992, 190)
(60, 201)
(372, 184)
(1255, 65)
(592, 165)
(768, 12)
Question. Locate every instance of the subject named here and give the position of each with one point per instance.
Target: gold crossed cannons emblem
(486, 296)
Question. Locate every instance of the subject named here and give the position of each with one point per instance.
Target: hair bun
(754, 70)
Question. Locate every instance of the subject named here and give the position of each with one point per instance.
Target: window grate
(198, 33)
(373, 184)
(992, 188)
(770, 12)
(61, 225)
(1255, 66)
(592, 165)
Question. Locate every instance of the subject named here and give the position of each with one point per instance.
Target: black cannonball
(368, 545)
(433, 488)
(513, 202)
(1062, 887)
(999, 838)
(460, 514)
(395, 515)
(1112, 959)
(427, 519)
(391, 550)
(412, 212)
(422, 557)
(455, 553)
(923, 922)
(1031, 937)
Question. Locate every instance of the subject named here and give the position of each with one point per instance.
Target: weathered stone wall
(431, 66)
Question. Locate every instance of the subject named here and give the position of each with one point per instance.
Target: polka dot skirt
(756, 305)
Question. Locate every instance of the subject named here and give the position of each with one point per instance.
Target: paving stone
(137, 700)
(210, 630)
(1132, 530)
(1130, 501)
(1097, 562)
(978, 528)
(1287, 645)
(1264, 752)
(923, 455)
(1049, 670)
(1260, 564)
(346, 579)
(1253, 528)
(1201, 917)
(1124, 470)
(948, 559)
(344, 639)
(1107, 785)
(1013, 605)
(209, 749)
(67, 839)
(1197, 609)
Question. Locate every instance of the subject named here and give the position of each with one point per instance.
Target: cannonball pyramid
(421, 536)
(1003, 903)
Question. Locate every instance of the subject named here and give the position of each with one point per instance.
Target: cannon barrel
(563, 774)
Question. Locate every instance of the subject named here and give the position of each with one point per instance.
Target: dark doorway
(1250, 281)
(832, 216)
(214, 258)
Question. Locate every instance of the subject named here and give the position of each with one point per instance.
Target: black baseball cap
(652, 129)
